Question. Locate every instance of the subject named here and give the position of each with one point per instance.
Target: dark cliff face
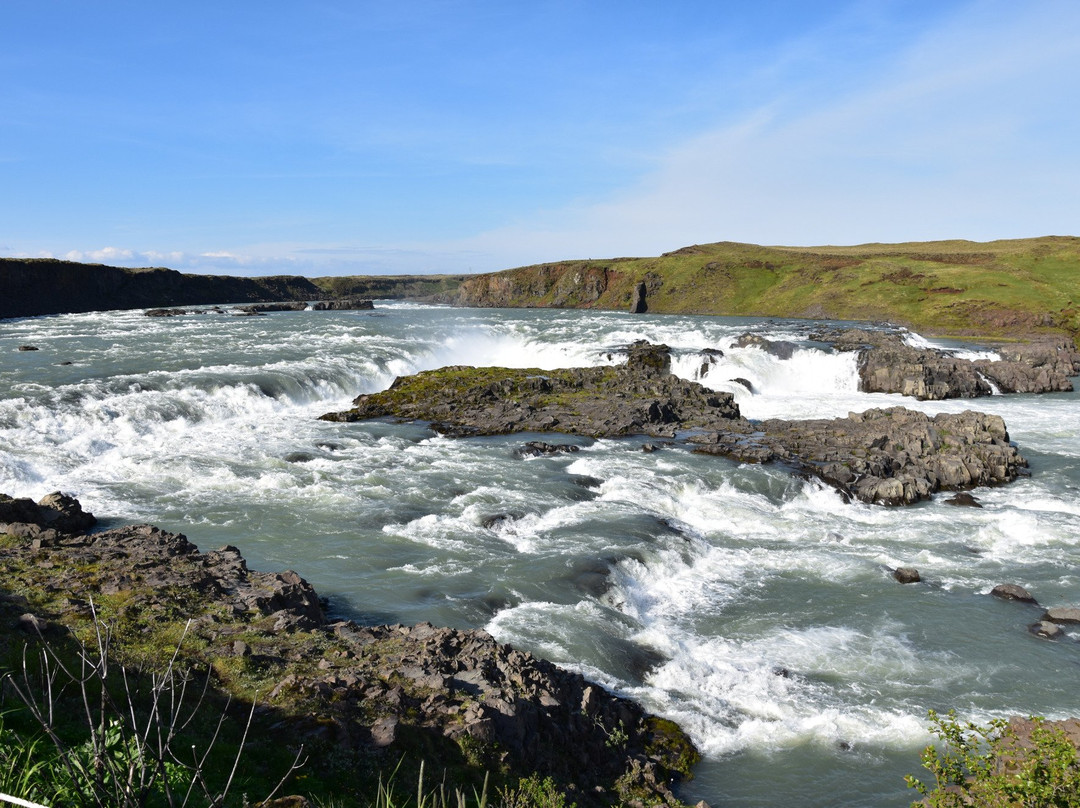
(32, 287)
(35, 287)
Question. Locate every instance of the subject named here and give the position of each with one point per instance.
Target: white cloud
(971, 133)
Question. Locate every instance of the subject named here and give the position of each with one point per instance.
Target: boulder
(639, 304)
(907, 575)
(538, 448)
(1063, 615)
(1012, 592)
(963, 500)
(1045, 629)
(781, 349)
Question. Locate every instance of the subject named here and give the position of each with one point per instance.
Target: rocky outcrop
(378, 692)
(561, 285)
(888, 365)
(781, 349)
(892, 456)
(888, 456)
(641, 397)
(348, 304)
(54, 515)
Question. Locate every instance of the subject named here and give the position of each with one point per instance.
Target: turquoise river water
(754, 608)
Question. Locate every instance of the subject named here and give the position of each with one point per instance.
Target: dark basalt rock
(1013, 592)
(539, 448)
(781, 349)
(641, 397)
(907, 575)
(892, 456)
(375, 691)
(263, 308)
(1045, 629)
(887, 456)
(55, 512)
(888, 365)
(963, 500)
(165, 312)
(347, 304)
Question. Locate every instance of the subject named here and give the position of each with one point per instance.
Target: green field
(999, 288)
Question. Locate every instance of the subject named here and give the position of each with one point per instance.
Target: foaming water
(755, 608)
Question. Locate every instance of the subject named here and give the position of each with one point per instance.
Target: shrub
(992, 766)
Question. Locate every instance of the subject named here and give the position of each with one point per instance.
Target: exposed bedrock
(641, 397)
(892, 456)
(889, 365)
(888, 456)
(372, 690)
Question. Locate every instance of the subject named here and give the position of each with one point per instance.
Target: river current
(755, 608)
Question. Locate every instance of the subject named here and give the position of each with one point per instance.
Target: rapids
(754, 608)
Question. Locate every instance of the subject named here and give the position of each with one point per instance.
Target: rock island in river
(889, 456)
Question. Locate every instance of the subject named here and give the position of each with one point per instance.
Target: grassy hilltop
(998, 288)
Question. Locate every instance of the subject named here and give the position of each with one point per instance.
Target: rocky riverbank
(373, 694)
(892, 457)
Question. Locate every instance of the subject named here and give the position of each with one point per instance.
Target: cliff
(1004, 288)
(32, 287)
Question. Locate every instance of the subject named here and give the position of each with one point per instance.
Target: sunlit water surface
(754, 608)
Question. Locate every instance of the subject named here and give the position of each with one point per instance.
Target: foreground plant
(993, 767)
(129, 752)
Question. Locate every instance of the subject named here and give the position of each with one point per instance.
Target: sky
(352, 137)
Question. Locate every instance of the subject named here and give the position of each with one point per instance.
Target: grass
(997, 288)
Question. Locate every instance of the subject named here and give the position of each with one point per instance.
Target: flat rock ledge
(640, 397)
(379, 692)
(887, 456)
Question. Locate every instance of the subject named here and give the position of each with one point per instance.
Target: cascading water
(755, 608)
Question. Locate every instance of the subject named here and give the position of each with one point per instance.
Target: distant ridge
(1002, 288)
(1006, 288)
(32, 287)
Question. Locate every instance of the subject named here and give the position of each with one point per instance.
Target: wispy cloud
(970, 132)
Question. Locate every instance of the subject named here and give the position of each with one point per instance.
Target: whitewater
(755, 608)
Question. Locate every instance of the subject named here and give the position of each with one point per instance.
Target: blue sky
(332, 137)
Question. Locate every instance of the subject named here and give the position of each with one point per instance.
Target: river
(755, 608)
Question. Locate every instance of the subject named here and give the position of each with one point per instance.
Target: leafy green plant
(130, 752)
(992, 766)
(22, 765)
(532, 792)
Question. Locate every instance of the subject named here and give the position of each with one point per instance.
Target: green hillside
(1000, 288)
